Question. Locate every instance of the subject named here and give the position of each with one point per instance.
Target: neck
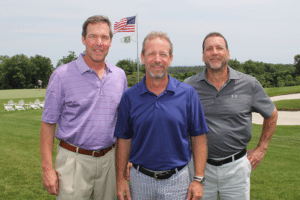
(94, 65)
(155, 85)
(217, 77)
(99, 67)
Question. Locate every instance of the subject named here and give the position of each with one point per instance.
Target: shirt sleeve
(196, 120)
(261, 101)
(124, 125)
(54, 100)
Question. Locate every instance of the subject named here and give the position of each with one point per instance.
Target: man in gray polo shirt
(228, 98)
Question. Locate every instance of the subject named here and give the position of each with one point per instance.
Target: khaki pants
(86, 177)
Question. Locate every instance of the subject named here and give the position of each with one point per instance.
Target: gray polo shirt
(228, 111)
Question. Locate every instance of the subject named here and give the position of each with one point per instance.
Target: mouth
(156, 67)
(215, 60)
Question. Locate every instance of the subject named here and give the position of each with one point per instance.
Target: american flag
(126, 24)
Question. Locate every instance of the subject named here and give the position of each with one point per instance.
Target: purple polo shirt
(83, 106)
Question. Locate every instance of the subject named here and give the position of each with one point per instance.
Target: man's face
(97, 41)
(215, 54)
(157, 58)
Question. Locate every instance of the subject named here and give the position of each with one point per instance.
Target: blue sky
(261, 30)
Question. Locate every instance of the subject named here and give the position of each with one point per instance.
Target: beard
(216, 66)
(158, 75)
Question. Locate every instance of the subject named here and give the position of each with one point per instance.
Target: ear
(171, 59)
(142, 58)
(83, 40)
(228, 54)
(203, 56)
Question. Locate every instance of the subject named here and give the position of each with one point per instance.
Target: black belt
(158, 176)
(227, 160)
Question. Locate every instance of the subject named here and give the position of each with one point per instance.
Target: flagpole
(137, 49)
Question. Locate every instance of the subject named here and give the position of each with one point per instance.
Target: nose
(215, 51)
(157, 58)
(99, 41)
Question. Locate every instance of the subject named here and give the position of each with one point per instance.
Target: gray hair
(157, 34)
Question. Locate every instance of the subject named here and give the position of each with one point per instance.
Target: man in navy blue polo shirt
(155, 121)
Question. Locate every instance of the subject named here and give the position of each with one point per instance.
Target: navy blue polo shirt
(160, 126)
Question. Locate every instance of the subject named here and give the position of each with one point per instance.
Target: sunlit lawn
(292, 105)
(278, 176)
(282, 90)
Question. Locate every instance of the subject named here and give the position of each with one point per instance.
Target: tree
(289, 81)
(13, 71)
(66, 59)
(297, 80)
(280, 82)
(20, 72)
(297, 64)
(132, 79)
(296, 58)
(236, 65)
(128, 65)
(42, 69)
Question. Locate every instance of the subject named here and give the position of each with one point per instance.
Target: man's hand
(195, 191)
(123, 190)
(255, 156)
(128, 170)
(51, 181)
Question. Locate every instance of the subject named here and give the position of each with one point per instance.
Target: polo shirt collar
(232, 74)
(170, 86)
(83, 67)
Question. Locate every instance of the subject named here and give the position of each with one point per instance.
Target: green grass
(282, 90)
(276, 178)
(288, 105)
(26, 93)
(20, 160)
(278, 175)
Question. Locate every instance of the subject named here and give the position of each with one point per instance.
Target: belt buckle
(98, 151)
(159, 176)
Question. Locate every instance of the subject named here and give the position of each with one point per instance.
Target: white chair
(41, 104)
(20, 105)
(9, 106)
(35, 105)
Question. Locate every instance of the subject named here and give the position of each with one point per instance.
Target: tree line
(269, 75)
(20, 71)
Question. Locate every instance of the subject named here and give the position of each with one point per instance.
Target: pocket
(60, 158)
(248, 164)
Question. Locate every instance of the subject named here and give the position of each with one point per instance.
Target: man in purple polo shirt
(82, 100)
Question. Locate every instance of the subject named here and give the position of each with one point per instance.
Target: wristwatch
(199, 178)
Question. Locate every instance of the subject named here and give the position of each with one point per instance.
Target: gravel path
(284, 117)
